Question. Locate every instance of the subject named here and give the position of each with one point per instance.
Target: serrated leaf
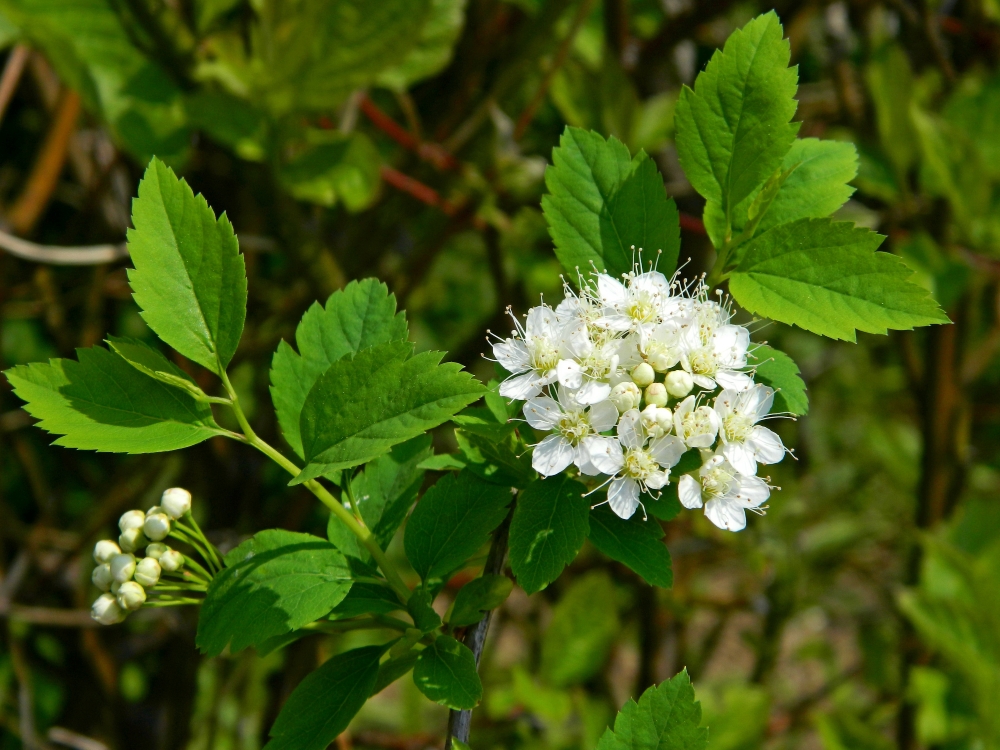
(547, 531)
(433, 48)
(733, 128)
(776, 369)
(363, 405)
(189, 277)
(584, 625)
(366, 599)
(274, 582)
(602, 202)
(102, 403)
(451, 522)
(667, 717)
(446, 673)
(826, 277)
(324, 703)
(153, 363)
(477, 597)
(357, 317)
(633, 542)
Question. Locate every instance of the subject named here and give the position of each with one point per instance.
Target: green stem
(176, 602)
(349, 490)
(196, 530)
(161, 587)
(197, 568)
(364, 623)
(359, 530)
(178, 533)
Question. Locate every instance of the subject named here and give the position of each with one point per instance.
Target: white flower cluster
(124, 577)
(611, 373)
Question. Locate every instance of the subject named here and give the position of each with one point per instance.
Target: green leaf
(451, 522)
(501, 460)
(733, 128)
(667, 717)
(363, 405)
(602, 202)
(478, 597)
(344, 168)
(826, 277)
(633, 542)
(393, 669)
(189, 277)
(890, 81)
(584, 625)
(446, 673)
(357, 317)
(365, 599)
(324, 702)
(102, 403)
(434, 46)
(421, 609)
(153, 363)
(274, 582)
(548, 528)
(776, 369)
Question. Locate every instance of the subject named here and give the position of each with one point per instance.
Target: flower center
(641, 308)
(639, 464)
(574, 426)
(717, 481)
(544, 355)
(697, 422)
(736, 427)
(598, 365)
(703, 362)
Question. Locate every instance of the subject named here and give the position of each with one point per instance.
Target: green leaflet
(776, 369)
(324, 702)
(433, 49)
(153, 363)
(367, 598)
(420, 605)
(491, 449)
(890, 81)
(446, 673)
(359, 316)
(547, 531)
(343, 168)
(451, 522)
(102, 403)
(665, 718)
(189, 278)
(975, 110)
(635, 542)
(478, 597)
(393, 669)
(733, 128)
(363, 405)
(826, 277)
(602, 202)
(274, 582)
(583, 627)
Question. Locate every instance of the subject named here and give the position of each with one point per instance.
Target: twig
(56, 255)
(59, 618)
(12, 75)
(417, 189)
(430, 152)
(62, 736)
(692, 224)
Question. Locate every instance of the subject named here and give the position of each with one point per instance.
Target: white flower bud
(101, 577)
(661, 359)
(156, 549)
(114, 588)
(122, 567)
(625, 396)
(157, 526)
(131, 595)
(679, 383)
(133, 519)
(656, 394)
(643, 375)
(104, 550)
(171, 560)
(665, 420)
(650, 422)
(106, 610)
(176, 502)
(132, 540)
(147, 572)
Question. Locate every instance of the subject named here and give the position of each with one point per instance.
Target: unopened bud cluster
(628, 375)
(121, 573)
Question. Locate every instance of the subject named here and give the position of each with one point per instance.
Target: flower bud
(157, 526)
(643, 375)
(133, 519)
(114, 587)
(656, 394)
(101, 577)
(665, 420)
(156, 549)
(625, 396)
(132, 540)
(147, 572)
(661, 359)
(122, 567)
(171, 560)
(176, 502)
(679, 383)
(131, 596)
(106, 610)
(104, 550)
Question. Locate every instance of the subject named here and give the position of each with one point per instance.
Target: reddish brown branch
(430, 152)
(417, 189)
(693, 224)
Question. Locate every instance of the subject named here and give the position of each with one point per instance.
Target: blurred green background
(408, 139)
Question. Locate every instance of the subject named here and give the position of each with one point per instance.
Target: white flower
(157, 526)
(696, 426)
(729, 493)
(102, 578)
(656, 420)
(589, 366)
(104, 550)
(626, 396)
(133, 519)
(531, 355)
(637, 467)
(122, 567)
(171, 560)
(176, 502)
(744, 442)
(636, 306)
(106, 610)
(131, 595)
(662, 349)
(132, 539)
(575, 435)
(718, 357)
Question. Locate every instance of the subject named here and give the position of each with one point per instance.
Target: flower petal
(732, 379)
(512, 355)
(766, 445)
(630, 431)
(605, 453)
(741, 456)
(689, 491)
(552, 455)
(623, 497)
(570, 373)
(603, 416)
(583, 460)
(667, 450)
(593, 391)
(542, 413)
(726, 514)
(522, 387)
(749, 491)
